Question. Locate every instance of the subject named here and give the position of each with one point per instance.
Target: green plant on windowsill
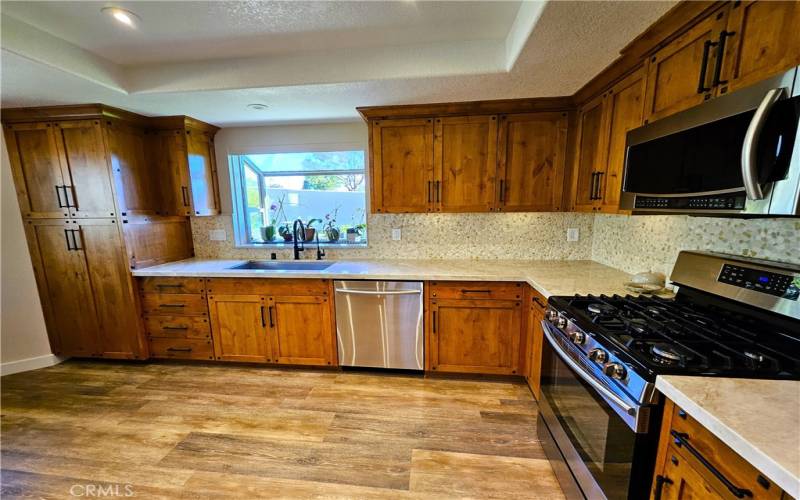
(310, 230)
(331, 231)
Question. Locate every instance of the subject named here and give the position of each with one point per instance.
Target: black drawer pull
(175, 327)
(682, 440)
(166, 285)
(271, 323)
(179, 349)
(466, 290)
(539, 302)
(172, 305)
(701, 84)
(660, 482)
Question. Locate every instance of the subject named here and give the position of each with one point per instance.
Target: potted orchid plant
(331, 231)
(276, 214)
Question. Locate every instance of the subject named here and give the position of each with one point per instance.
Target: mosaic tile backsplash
(434, 236)
(652, 242)
(629, 243)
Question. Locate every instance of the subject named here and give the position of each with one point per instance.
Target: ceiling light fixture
(257, 106)
(123, 16)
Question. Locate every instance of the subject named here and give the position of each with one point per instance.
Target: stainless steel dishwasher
(379, 324)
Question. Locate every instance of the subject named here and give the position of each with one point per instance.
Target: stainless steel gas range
(599, 410)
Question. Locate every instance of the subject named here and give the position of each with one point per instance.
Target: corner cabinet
(474, 327)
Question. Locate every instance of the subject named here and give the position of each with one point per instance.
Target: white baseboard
(24, 365)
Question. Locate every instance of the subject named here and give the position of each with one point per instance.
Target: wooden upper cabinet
(36, 168)
(590, 159)
(134, 178)
(465, 163)
(402, 165)
(202, 172)
(680, 75)
(762, 38)
(474, 336)
(167, 155)
(623, 108)
(301, 330)
(86, 168)
(239, 327)
(532, 151)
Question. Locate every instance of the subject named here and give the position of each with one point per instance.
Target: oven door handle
(587, 377)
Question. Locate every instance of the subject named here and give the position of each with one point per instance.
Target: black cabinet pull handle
(75, 239)
(172, 305)
(701, 84)
(71, 201)
(185, 195)
(720, 55)
(179, 349)
(467, 290)
(597, 186)
(263, 321)
(660, 482)
(502, 190)
(438, 190)
(593, 187)
(682, 440)
(69, 243)
(269, 311)
(58, 195)
(430, 193)
(434, 322)
(176, 327)
(539, 302)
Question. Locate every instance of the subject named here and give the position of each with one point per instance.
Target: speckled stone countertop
(758, 419)
(549, 277)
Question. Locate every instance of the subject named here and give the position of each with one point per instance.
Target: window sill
(309, 245)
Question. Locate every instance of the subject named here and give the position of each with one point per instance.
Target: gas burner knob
(552, 314)
(577, 337)
(598, 356)
(615, 370)
(561, 322)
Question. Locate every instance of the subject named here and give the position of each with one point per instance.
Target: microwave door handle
(749, 149)
(630, 410)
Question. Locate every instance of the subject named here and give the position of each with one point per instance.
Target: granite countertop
(549, 277)
(758, 419)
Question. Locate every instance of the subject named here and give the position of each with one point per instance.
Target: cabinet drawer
(476, 290)
(181, 348)
(171, 285)
(174, 304)
(267, 286)
(188, 327)
(718, 455)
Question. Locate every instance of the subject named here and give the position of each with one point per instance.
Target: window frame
(241, 224)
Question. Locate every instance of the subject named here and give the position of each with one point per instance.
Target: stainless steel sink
(277, 265)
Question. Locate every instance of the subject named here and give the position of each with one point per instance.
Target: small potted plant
(286, 232)
(276, 213)
(310, 230)
(331, 231)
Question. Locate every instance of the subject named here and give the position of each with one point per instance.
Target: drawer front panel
(476, 290)
(181, 348)
(174, 304)
(171, 285)
(257, 286)
(194, 327)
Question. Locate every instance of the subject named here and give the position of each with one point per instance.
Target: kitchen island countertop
(758, 419)
(549, 277)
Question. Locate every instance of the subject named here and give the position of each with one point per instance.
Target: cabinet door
(682, 481)
(475, 336)
(64, 286)
(402, 165)
(465, 163)
(532, 149)
(624, 105)
(680, 74)
(535, 338)
(590, 159)
(135, 181)
(239, 327)
(202, 173)
(121, 330)
(36, 167)
(762, 39)
(85, 167)
(167, 155)
(301, 330)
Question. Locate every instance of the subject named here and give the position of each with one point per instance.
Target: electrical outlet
(396, 234)
(217, 235)
(572, 234)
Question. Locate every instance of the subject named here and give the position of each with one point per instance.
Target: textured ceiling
(563, 45)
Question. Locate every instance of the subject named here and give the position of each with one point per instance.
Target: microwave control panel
(719, 202)
(786, 286)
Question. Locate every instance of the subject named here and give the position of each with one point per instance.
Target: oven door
(598, 451)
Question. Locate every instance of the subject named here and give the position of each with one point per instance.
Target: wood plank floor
(219, 431)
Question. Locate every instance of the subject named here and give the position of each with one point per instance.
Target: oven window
(598, 435)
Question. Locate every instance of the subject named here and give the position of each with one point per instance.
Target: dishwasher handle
(371, 292)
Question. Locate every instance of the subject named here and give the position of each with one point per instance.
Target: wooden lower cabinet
(474, 336)
(86, 290)
(264, 324)
(536, 308)
(694, 463)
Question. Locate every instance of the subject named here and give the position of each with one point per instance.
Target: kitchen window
(324, 189)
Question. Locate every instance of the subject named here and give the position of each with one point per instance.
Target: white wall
(23, 337)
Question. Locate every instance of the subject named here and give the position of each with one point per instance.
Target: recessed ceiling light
(257, 106)
(123, 16)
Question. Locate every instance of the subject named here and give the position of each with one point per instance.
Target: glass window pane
(307, 162)
(253, 205)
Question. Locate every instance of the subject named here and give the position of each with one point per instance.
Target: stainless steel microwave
(735, 155)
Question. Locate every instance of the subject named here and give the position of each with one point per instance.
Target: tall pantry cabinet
(78, 172)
